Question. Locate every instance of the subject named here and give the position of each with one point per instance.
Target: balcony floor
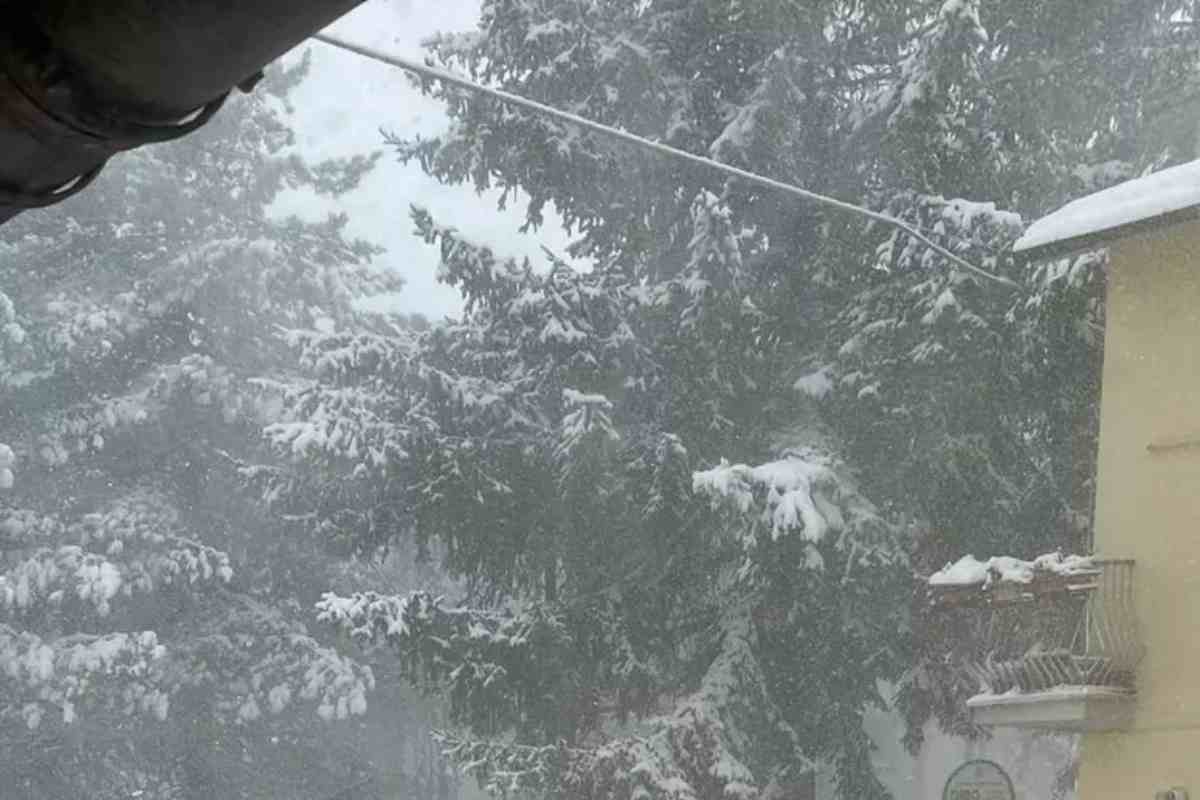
(1064, 708)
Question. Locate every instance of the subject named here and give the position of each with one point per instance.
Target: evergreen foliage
(689, 488)
(154, 627)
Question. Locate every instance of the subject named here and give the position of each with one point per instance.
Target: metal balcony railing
(1056, 633)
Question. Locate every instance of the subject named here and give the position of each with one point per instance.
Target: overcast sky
(339, 111)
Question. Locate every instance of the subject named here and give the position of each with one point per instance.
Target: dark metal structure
(82, 80)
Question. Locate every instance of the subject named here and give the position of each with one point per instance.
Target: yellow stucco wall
(1148, 507)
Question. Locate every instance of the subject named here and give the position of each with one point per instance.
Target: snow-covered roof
(1101, 214)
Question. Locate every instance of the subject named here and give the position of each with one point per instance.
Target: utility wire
(447, 77)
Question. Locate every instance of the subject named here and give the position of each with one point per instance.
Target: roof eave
(1091, 241)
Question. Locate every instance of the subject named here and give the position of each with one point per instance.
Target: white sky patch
(339, 111)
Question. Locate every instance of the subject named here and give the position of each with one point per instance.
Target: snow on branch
(40, 674)
(803, 493)
(341, 357)
(718, 730)
(7, 462)
(341, 423)
(587, 416)
(796, 493)
(931, 68)
(23, 527)
(195, 379)
(252, 659)
(54, 575)
(369, 616)
(403, 620)
(482, 276)
(494, 667)
(715, 255)
(703, 745)
(627, 768)
(137, 517)
(131, 545)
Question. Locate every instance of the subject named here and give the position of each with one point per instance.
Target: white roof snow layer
(1136, 200)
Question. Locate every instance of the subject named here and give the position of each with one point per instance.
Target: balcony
(1054, 642)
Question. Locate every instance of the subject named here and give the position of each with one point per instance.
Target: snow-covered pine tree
(152, 625)
(649, 475)
(975, 408)
(905, 107)
(630, 619)
(967, 411)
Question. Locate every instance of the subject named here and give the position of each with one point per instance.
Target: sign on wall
(979, 780)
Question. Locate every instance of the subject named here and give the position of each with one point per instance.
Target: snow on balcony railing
(1005, 580)
(1057, 621)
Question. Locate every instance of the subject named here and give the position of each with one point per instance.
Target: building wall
(1034, 761)
(1148, 507)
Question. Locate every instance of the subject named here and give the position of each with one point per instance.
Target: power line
(447, 77)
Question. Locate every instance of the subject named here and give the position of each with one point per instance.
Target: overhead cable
(450, 78)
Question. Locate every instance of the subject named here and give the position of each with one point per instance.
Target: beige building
(1133, 685)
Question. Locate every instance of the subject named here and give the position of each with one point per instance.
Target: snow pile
(970, 571)
(964, 215)
(815, 384)
(806, 494)
(1140, 199)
